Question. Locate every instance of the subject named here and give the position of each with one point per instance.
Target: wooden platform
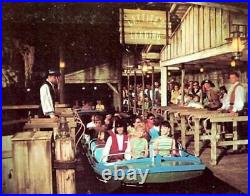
(232, 167)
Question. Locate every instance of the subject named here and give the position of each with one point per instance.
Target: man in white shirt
(91, 124)
(48, 93)
(236, 95)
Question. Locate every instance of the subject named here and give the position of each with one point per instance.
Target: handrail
(13, 122)
(23, 107)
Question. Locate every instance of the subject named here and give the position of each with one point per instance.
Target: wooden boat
(158, 169)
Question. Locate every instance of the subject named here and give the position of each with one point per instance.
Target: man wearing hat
(213, 99)
(48, 93)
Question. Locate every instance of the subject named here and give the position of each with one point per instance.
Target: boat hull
(165, 177)
(163, 170)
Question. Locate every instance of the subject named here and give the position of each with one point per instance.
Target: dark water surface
(86, 182)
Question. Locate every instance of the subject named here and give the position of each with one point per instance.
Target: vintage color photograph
(146, 97)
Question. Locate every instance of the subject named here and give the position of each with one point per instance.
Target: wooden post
(235, 135)
(213, 144)
(153, 87)
(171, 121)
(182, 83)
(143, 89)
(135, 91)
(197, 137)
(128, 75)
(65, 176)
(164, 86)
(62, 78)
(183, 131)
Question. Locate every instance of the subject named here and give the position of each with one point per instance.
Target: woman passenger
(138, 144)
(117, 144)
(164, 145)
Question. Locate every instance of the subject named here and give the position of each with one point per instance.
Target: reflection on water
(86, 182)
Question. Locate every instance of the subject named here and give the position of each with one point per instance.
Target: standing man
(212, 96)
(48, 93)
(236, 95)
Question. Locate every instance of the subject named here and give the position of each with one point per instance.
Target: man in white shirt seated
(236, 95)
(91, 124)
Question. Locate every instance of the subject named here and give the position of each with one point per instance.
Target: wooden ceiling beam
(230, 8)
(151, 55)
(173, 8)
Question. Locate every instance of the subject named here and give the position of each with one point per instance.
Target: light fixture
(201, 69)
(83, 88)
(147, 75)
(233, 63)
(237, 40)
(95, 88)
(169, 73)
(28, 89)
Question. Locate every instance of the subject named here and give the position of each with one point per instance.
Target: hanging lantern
(201, 69)
(233, 63)
(237, 40)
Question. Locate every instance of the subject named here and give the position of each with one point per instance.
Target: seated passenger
(138, 144)
(152, 132)
(76, 105)
(195, 103)
(102, 137)
(91, 124)
(99, 106)
(131, 129)
(117, 144)
(85, 106)
(164, 145)
(93, 131)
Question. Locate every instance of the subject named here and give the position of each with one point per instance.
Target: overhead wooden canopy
(202, 37)
(103, 73)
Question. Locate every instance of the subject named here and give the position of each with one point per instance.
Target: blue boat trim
(186, 163)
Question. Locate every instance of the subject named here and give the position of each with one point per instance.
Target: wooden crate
(7, 165)
(32, 162)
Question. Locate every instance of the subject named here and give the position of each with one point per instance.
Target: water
(87, 183)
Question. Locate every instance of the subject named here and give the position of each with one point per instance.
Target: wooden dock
(232, 167)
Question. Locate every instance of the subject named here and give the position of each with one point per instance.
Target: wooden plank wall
(201, 28)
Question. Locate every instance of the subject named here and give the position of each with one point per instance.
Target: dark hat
(120, 123)
(53, 72)
(196, 82)
(208, 81)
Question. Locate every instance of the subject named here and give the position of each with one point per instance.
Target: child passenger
(138, 144)
(164, 145)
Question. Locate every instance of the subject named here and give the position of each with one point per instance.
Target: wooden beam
(113, 88)
(23, 107)
(211, 52)
(229, 119)
(222, 6)
(173, 8)
(151, 55)
(13, 122)
(230, 143)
